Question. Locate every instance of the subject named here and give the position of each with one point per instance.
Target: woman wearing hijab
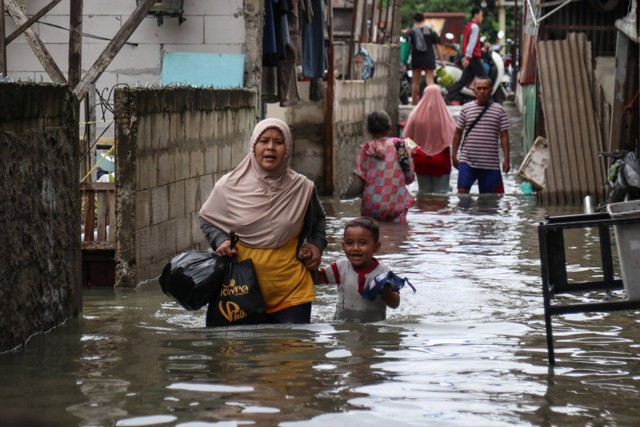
(278, 218)
(431, 127)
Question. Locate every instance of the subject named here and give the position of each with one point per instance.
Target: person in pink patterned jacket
(383, 170)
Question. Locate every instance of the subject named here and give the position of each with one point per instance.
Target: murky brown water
(467, 349)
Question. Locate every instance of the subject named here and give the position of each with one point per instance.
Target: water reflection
(468, 348)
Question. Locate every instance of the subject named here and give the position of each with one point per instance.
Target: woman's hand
(225, 249)
(310, 255)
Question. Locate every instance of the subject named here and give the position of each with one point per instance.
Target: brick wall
(172, 145)
(40, 215)
(353, 101)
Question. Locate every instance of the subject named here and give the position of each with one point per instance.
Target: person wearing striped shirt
(475, 151)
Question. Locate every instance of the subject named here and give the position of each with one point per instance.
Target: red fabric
(336, 273)
(437, 165)
(362, 274)
(477, 49)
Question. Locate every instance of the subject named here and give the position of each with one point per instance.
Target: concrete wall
(220, 26)
(172, 145)
(353, 101)
(40, 215)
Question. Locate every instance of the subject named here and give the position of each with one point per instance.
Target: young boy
(360, 242)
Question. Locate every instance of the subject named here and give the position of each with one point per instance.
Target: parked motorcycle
(500, 78)
(623, 177)
(405, 85)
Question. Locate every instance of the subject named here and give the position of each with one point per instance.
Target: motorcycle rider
(472, 61)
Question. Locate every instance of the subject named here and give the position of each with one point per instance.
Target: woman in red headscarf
(431, 127)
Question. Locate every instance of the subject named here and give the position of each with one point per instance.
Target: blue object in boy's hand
(374, 287)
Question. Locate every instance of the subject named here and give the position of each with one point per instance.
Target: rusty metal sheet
(575, 170)
(528, 67)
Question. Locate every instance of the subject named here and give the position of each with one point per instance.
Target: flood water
(468, 348)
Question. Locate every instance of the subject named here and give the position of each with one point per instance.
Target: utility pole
(502, 24)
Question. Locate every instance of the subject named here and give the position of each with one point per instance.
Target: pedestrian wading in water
(383, 170)
(278, 219)
(479, 126)
(431, 127)
(360, 242)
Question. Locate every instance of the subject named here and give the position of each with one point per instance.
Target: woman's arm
(355, 189)
(218, 239)
(315, 239)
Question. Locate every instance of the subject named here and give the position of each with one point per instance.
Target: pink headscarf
(430, 124)
(264, 208)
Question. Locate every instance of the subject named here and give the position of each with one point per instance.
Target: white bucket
(628, 243)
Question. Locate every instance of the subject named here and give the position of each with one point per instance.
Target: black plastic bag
(194, 278)
(239, 301)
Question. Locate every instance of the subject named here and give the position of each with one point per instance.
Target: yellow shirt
(284, 280)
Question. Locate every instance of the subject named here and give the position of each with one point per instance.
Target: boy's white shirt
(351, 306)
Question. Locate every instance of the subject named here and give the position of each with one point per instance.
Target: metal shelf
(554, 268)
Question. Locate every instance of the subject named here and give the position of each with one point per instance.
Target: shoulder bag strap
(475, 122)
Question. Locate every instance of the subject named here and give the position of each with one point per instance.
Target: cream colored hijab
(430, 124)
(264, 208)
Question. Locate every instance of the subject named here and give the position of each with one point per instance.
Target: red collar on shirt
(362, 273)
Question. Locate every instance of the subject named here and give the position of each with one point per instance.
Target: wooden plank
(98, 246)
(3, 46)
(98, 186)
(620, 92)
(102, 216)
(560, 136)
(113, 47)
(29, 22)
(593, 183)
(89, 205)
(36, 44)
(111, 232)
(75, 42)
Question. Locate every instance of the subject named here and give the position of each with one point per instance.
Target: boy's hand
(390, 296)
(310, 255)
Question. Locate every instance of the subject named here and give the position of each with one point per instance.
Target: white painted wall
(213, 26)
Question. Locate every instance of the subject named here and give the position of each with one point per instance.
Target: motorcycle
(405, 85)
(623, 177)
(500, 78)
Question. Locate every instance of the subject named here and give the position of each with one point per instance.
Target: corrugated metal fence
(575, 170)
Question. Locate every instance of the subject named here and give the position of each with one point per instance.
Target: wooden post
(393, 39)
(36, 44)
(3, 45)
(328, 115)
(354, 21)
(75, 42)
(113, 47)
(29, 22)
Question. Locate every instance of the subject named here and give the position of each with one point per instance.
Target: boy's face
(359, 246)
